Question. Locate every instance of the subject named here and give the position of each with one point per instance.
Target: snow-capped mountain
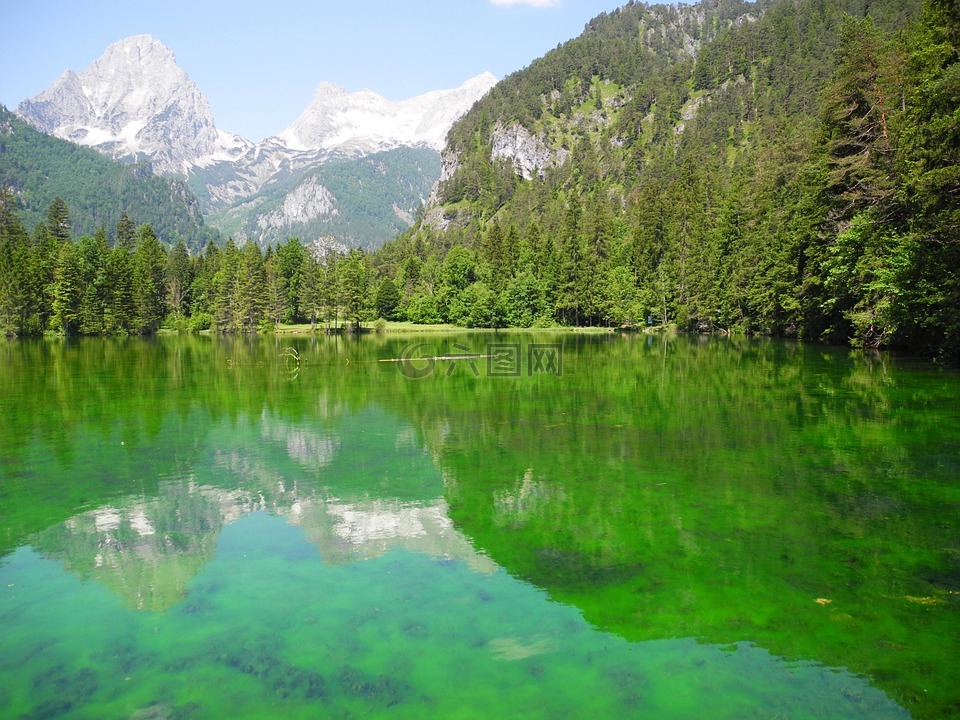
(364, 121)
(134, 102)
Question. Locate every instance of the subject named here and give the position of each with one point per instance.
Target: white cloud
(531, 3)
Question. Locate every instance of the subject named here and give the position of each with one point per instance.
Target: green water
(577, 527)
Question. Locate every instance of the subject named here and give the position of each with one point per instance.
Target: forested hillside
(39, 168)
(785, 167)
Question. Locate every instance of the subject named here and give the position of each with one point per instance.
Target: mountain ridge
(136, 104)
(117, 102)
(337, 118)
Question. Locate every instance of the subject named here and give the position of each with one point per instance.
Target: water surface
(623, 527)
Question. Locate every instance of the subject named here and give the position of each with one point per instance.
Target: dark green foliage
(422, 308)
(120, 307)
(41, 168)
(524, 300)
(387, 300)
(309, 299)
(251, 303)
(52, 284)
(16, 271)
(179, 277)
(200, 321)
(58, 221)
(93, 254)
(68, 290)
(288, 270)
(149, 268)
(354, 280)
(225, 290)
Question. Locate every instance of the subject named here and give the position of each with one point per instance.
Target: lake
(549, 525)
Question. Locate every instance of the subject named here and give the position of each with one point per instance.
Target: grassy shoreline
(409, 327)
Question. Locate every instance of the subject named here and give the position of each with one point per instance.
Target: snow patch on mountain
(135, 103)
(230, 147)
(364, 122)
(339, 125)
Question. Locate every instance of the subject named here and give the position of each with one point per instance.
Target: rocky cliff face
(536, 145)
(529, 154)
(308, 201)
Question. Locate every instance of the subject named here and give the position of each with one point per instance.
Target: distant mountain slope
(645, 86)
(337, 127)
(622, 84)
(97, 190)
(361, 202)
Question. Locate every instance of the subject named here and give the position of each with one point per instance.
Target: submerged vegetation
(768, 501)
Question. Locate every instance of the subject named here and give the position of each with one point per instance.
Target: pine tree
(353, 285)
(291, 257)
(858, 104)
(204, 270)
(309, 296)
(67, 291)
(16, 303)
(570, 266)
(149, 262)
(252, 298)
(58, 221)
(387, 300)
(277, 293)
(328, 287)
(48, 238)
(125, 233)
(92, 254)
(178, 277)
(929, 283)
(120, 314)
(226, 290)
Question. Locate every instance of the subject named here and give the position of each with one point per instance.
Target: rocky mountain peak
(133, 102)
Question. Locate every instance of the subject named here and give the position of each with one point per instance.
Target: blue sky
(259, 62)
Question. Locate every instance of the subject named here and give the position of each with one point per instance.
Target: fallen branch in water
(437, 357)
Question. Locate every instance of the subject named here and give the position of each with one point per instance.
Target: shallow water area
(653, 527)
